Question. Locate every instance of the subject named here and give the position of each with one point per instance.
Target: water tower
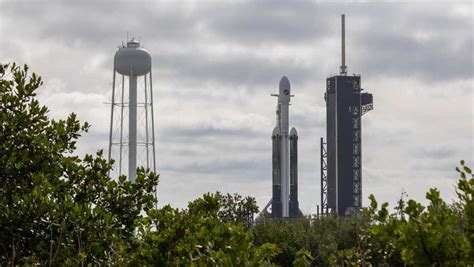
(132, 136)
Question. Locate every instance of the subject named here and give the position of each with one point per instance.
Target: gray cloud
(267, 22)
(397, 41)
(222, 168)
(437, 152)
(230, 70)
(434, 60)
(209, 132)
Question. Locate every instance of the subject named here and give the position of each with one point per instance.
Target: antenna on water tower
(132, 146)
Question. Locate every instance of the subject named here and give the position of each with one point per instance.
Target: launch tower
(341, 154)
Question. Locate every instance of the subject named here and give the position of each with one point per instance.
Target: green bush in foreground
(56, 208)
(436, 235)
(197, 235)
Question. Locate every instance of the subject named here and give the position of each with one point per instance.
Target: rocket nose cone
(284, 89)
(275, 131)
(293, 132)
(284, 83)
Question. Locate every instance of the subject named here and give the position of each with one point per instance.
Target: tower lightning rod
(343, 69)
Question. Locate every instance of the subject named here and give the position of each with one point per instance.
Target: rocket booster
(281, 155)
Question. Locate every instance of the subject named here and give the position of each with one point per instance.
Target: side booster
(294, 205)
(284, 158)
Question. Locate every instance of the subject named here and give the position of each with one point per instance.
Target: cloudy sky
(215, 65)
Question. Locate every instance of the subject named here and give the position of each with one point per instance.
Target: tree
(465, 205)
(236, 209)
(289, 235)
(436, 235)
(198, 236)
(54, 207)
(325, 240)
(439, 234)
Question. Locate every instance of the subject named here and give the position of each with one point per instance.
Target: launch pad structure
(341, 154)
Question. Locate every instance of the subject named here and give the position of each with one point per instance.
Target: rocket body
(284, 102)
(281, 154)
(294, 205)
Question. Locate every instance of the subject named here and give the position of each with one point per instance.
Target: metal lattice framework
(118, 145)
(356, 150)
(367, 108)
(324, 178)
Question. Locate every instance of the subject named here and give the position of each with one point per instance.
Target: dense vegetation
(59, 209)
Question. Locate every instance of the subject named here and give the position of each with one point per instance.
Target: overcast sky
(215, 65)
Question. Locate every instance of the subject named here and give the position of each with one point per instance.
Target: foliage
(198, 236)
(320, 240)
(303, 258)
(436, 235)
(235, 209)
(439, 234)
(289, 235)
(59, 209)
(55, 207)
(465, 204)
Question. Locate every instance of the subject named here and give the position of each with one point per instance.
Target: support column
(132, 129)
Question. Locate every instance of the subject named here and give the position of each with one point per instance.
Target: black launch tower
(341, 154)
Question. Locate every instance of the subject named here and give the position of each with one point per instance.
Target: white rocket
(284, 204)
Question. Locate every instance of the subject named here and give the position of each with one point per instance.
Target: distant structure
(284, 201)
(341, 154)
(132, 139)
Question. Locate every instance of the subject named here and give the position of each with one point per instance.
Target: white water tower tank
(132, 60)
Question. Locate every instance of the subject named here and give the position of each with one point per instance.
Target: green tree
(198, 236)
(236, 209)
(439, 234)
(289, 235)
(56, 208)
(436, 235)
(324, 240)
(465, 205)
(335, 237)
